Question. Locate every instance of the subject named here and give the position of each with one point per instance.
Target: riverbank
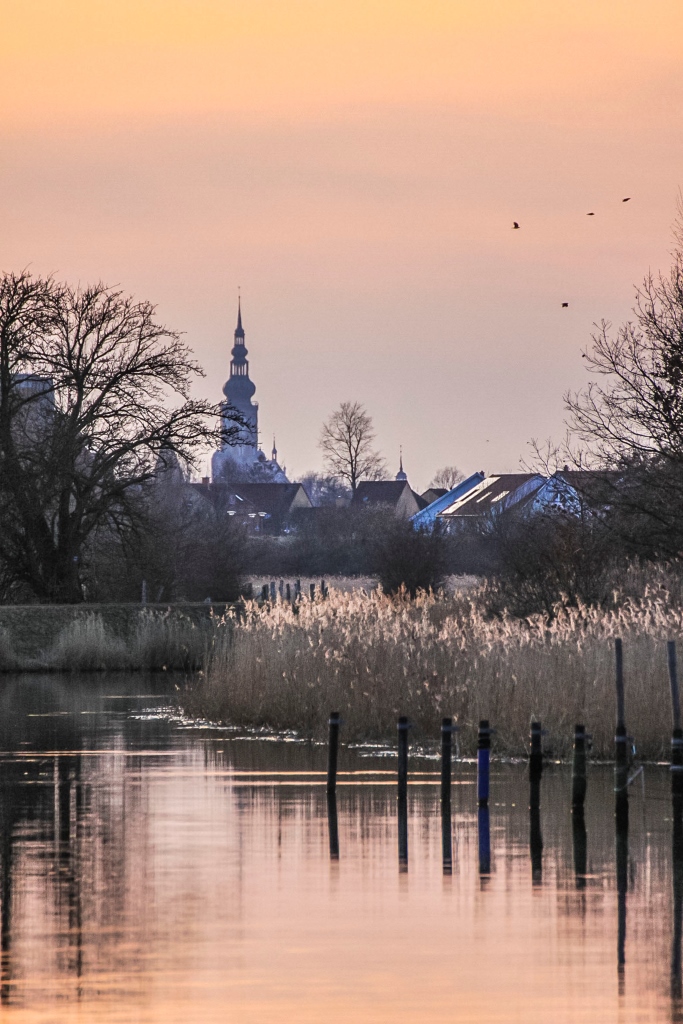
(111, 637)
(372, 658)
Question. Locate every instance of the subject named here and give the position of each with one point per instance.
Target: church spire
(239, 332)
(401, 475)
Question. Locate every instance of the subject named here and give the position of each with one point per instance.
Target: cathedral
(243, 460)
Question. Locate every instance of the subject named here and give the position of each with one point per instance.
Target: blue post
(483, 759)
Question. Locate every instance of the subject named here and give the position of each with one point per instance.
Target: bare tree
(631, 419)
(346, 441)
(324, 489)
(448, 477)
(92, 392)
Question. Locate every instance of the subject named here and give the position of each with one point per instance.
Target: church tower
(242, 460)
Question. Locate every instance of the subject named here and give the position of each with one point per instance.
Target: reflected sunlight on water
(153, 873)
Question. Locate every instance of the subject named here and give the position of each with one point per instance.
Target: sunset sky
(356, 168)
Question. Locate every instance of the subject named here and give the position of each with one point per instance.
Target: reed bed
(373, 657)
(158, 641)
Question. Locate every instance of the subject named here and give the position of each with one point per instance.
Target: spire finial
(274, 452)
(239, 333)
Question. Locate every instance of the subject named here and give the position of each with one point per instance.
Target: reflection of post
(6, 915)
(622, 889)
(403, 793)
(332, 751)
(484, 842)
(446, 839)
(535, 773)
(580, 846)
(332, 825)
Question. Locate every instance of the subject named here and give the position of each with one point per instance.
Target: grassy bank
(106, 637)
(373, 658)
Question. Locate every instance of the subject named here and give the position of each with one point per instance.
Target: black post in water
(332, 824)
(535, 772)
(622, 890)
(620, 746)
(579, 769)
(288, 590)
(312, 591)
(484, 830)
(483, 762)
(264, 592)
(297, 590)
(403, 793)
(272, 591)
(677, 733)
(580, 847)
(332, 750)
(446, 750)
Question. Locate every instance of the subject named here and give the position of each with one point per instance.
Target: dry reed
(373, 657)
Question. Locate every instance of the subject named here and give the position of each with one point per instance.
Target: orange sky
(356, 167)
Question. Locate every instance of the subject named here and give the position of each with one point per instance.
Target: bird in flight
(564, 305)
(590, 214)
(628, 198)
(515, 225)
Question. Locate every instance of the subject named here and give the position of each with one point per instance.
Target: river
(158, 870)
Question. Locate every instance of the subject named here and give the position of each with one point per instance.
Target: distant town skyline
(357, 169)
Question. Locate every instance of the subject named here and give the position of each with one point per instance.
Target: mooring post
(312, 591)
(677, 732)
(620, 744)
(483, 762)
(579, 769)
(536, 756)
(264, 592)
(272, 591)
(403, 727)
(446, 756)
(288, 591)
(297, 590)
(323, 589)
(332, 824)
(281, 589)
(332, 751)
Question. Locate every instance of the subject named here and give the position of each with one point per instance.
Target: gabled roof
(493, 494)
(573, 490)
(276, 500)
(427, 516)
(379, 492)
(432, 493)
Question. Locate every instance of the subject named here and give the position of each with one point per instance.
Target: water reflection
(150, 871)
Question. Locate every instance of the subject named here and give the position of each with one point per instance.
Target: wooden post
(312, 591)
(143, 594)
(323, 589)
(446, 838)
(281, 589)
(620, 745)
(297, 590)
(332, 824)
(264, 592)
(332, 751)
(536, 756)
(288, 590)
(579, 769)
(483, 762)
(272, 591)
(677, 732)
(403, 727)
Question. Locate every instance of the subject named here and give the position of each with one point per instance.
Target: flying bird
(590, 214)
(626, 200)
(515, 225)
(564, 305)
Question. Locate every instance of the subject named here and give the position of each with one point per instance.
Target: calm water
(156, 872)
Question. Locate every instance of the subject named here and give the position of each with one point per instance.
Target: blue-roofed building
(426, 517)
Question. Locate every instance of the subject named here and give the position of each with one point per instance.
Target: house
(426, 517)
(432, 493)
(264, 507)
(396, 495)
(493, 494)
(576, 491)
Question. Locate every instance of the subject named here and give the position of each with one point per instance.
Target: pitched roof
(277, 500)
(379, 492)
(493, 494)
